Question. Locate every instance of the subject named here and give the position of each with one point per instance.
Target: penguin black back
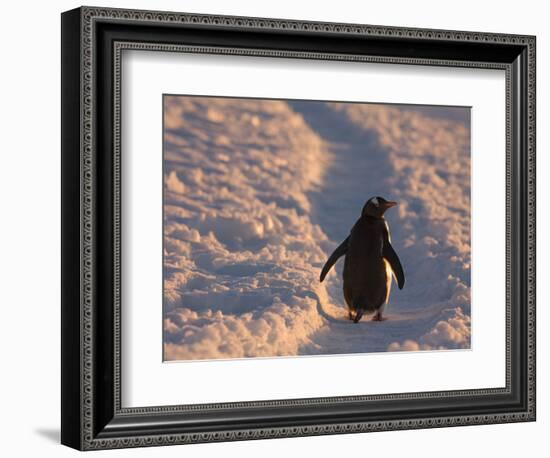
(370, 262)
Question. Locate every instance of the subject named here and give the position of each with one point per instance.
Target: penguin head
(377, 206)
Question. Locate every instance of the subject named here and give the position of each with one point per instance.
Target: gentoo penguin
(370, 262)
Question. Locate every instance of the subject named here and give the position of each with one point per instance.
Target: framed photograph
(277, 228)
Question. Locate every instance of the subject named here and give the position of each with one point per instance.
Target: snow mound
(240, 251)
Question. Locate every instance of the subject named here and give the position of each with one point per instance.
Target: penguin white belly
(389, 273)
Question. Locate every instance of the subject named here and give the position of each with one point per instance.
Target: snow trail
(377, 149)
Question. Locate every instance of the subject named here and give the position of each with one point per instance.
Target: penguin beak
(390, 204)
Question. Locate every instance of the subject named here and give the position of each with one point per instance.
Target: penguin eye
(374, 200)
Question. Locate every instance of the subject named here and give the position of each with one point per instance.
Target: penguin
(370, 262)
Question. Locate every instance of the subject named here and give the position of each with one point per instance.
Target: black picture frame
(92, 416)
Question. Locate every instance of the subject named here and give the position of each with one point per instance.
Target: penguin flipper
(391, 256)
(338, 253)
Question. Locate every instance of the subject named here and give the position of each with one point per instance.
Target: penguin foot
(378, 317)
(358, 316)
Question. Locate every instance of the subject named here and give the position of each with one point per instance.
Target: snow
(259, 192)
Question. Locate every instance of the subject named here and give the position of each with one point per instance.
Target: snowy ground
(258, 193)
